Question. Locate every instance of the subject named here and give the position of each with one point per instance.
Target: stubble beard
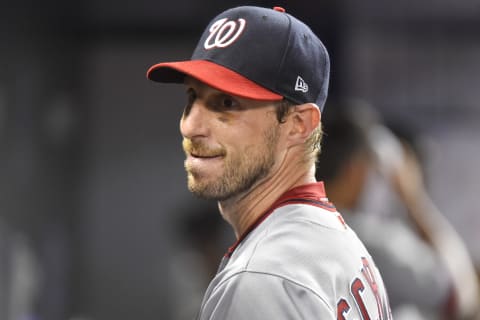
(241, 171)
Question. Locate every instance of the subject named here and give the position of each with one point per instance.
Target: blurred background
(95, 218)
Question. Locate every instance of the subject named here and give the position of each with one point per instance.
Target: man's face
(230, 142)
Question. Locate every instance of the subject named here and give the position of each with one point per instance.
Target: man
(256, 84)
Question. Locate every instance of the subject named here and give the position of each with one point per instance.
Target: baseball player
(256, 85)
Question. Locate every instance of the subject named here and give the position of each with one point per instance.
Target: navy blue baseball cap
(256, 53)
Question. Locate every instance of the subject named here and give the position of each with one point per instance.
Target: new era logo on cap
(301, 85)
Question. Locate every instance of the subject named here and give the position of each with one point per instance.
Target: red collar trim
(311, 194)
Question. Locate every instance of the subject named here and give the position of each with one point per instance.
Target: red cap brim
(212, 74)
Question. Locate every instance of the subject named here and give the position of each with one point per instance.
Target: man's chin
(200, 188)
(208, 191)
(206, 194)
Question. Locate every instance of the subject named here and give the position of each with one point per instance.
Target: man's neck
(244, 209)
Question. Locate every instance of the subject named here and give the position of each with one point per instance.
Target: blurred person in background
(427, 270)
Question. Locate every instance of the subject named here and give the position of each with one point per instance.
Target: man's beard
(240, 171)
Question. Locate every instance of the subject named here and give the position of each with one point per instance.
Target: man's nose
(194, 123)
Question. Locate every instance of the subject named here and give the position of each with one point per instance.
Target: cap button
(279, 9)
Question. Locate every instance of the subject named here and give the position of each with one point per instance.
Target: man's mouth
(200, 151)
(205, 156)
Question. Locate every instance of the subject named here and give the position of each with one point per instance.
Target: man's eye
(228, 102)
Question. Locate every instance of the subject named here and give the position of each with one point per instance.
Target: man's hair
(313, 143)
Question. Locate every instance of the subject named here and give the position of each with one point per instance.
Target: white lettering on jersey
(223, 33)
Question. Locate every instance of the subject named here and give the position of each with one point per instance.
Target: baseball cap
(256, 53)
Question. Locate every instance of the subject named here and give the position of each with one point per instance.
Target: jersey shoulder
(255, 295)
(313, 247)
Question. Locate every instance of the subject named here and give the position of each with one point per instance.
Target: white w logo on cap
(301, 85)
(224, 34)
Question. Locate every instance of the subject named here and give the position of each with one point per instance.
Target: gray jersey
(300, 261)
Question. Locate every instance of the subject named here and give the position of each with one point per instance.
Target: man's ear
(305, 118)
